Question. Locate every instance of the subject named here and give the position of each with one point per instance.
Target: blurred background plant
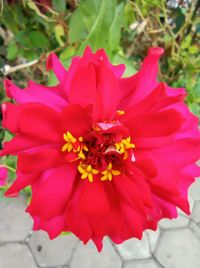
(30, 29)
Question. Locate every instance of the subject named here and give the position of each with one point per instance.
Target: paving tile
(196, 212)
(195, 229)
(134, 248)
(88, 256)
(179, 249)
(142, 264)
(15, 224)
(194, 190)
(180, 221)
(16, 256)
(52, 252)
(153, 238)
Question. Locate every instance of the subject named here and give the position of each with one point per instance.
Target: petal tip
(7, 85)
(157, 51)
(49, 61)
(87, 52)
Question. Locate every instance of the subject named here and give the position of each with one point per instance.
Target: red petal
(107, 97)
(76, 120)
(75, 220)
(22, 143)
(22, 181)
(93, 199)
(39, 161)
(53, 227)
(157, 100)
(41, 121)
(52, 192)
(100, 56)
(83, 86)
(147, 166)
(11, 113)
(154, 124)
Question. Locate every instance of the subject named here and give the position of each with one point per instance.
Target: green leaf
(130, 69)
(65, 233)
(195, 108)
(52, 80)
(38, 39)
(186, 42)
(30, 54)
(11, 162)
(2, 191)
(23, 38)
(18, 15)
(9, 21)
(115, 29)
(67, 53)
(97, 23)
(77, 29)
(98, 35)
(12, 50)
(59, 5)
(7, 136)
(193, 49)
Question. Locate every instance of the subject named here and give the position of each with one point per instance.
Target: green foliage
(12, 50)
(38, 39)
(98, 24)
(59, 5)
(176, 28)
(124, 28)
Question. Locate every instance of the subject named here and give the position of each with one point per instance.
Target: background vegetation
(29, 30)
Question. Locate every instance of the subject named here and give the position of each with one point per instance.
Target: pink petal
(3, 175)
(53, 63)
(138, 86)
(36, 93)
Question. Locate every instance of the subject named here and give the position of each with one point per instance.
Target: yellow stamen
(70, 140)
(80, 152)
(109, 173)
(80, 139)
(120, 112)
(124, 145)
(87, 171)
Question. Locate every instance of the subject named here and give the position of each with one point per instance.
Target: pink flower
(104, 155)
(3, 175)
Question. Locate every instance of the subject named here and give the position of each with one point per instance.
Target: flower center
(99, 154)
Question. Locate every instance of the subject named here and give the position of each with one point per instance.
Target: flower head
(104, 155)
(3, 175)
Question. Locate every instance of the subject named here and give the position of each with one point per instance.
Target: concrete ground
(176, 244)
